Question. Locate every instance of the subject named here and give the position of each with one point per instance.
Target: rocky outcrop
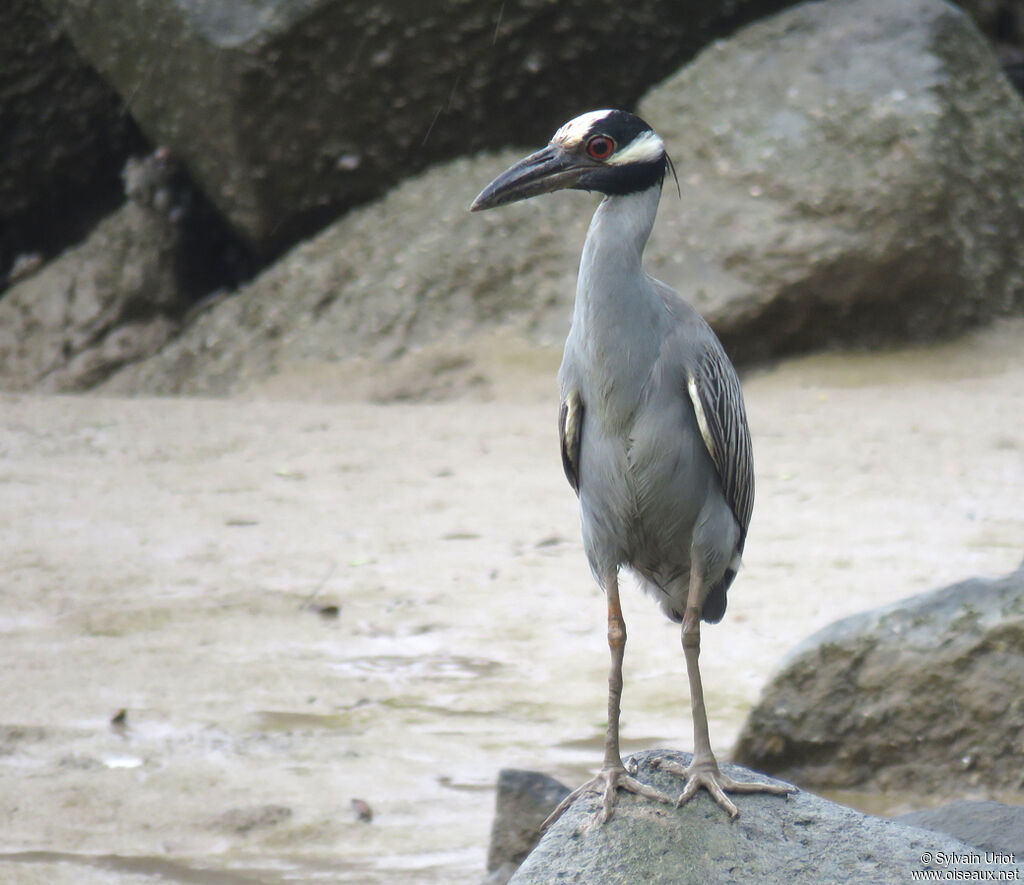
(926, 695)
(801, 839)
(111, 300)
(849, 171)
(414, 270)
(288, 112)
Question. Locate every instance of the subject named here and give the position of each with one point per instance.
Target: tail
(717, 600)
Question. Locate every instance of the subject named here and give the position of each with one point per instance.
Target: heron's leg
(613, 774)
(703, 770)
(691, 651)
(617, 647)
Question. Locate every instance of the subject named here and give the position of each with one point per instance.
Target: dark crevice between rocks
(212, 257)
(64, 136)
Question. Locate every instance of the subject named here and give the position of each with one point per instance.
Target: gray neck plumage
(618, 312)
(619, 231)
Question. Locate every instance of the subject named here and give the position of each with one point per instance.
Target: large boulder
(925, 696)
(287, 111)
(849, 170)
(990, 825)
(801, 839)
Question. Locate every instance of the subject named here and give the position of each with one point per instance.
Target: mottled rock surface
(926, 694)
(803, 839)
(112, 299)
(850, 172)
(398, 290)
(288, 111)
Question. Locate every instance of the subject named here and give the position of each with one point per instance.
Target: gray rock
(991, 826)
(925, 696)
(802, 839)
(409, 280)
(111, 300)
(524, 800)
(850, 171)
(1002, 21)
(65, 137)
(287, 111)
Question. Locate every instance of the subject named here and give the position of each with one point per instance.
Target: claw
(714, 787)
(607, 783)
(706, 774)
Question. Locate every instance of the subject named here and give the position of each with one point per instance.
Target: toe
(734, 786)
(710, 783)
(718, 794)
(563, 806)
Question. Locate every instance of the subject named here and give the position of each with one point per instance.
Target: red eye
(600, 147)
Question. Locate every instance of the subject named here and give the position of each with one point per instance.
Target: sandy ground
(179, 560)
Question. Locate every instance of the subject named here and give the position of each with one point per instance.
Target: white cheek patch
(645, 148)
(573, 132)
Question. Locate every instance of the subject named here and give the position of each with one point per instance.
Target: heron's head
(612, 152)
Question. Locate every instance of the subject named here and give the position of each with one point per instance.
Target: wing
(570, 435)
(717, 399)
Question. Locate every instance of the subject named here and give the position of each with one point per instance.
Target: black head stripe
(621, 126)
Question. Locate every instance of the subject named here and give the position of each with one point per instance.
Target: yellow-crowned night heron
(652, 426)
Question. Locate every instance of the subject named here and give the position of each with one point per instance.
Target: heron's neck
(612, 291)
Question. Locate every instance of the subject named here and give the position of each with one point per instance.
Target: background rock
(398, 291)
(850, 171)
(991, 826)
(867, 701)
(804, 839)
(64, 136)
(523, 802)
(288, 111)
(111, 300)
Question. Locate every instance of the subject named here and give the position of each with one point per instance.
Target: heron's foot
(705, 773)
(607, 784)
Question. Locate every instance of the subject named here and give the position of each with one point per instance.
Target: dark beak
(549, 169)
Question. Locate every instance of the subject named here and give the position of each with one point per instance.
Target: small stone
(363, 811)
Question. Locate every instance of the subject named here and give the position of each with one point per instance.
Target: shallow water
(179, 560)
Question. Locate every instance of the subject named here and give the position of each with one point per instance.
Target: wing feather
(570, 436)
(717, 398)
